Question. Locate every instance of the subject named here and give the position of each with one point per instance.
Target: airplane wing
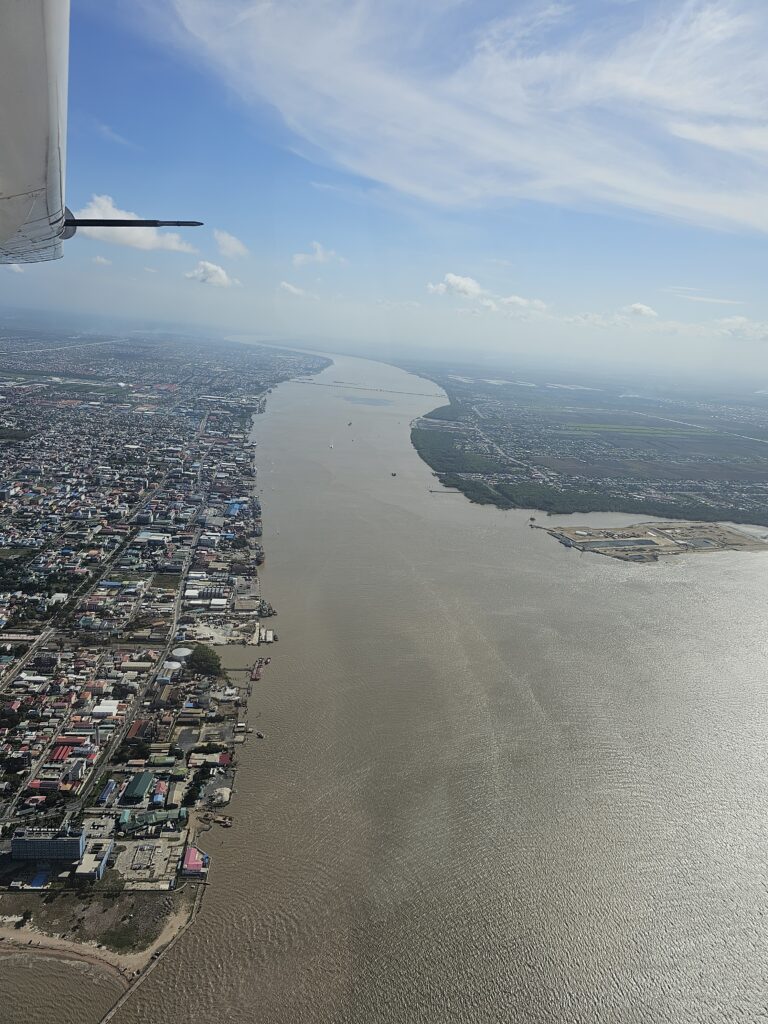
(34, 75)
(34, 56)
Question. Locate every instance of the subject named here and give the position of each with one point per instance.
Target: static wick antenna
(72, 223)
(108, 222)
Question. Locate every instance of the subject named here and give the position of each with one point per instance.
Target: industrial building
(94, 861)
(138, 788)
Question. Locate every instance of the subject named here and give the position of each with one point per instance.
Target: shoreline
(31, 940)
(130, 969)
(478, 485)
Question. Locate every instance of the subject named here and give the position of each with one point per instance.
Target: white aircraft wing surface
(34, 55)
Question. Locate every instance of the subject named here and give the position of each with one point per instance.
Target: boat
(259, 735)
(394, 474)
(331, 445)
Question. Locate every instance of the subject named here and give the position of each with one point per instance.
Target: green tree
(204, 660)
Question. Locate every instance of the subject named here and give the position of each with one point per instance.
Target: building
(94, 861)
(106, 709)
(195, 863)
(48, 844)
(138, 788)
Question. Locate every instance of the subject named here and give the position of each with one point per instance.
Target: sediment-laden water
(501, 780)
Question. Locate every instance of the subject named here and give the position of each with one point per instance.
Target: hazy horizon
(577, 182)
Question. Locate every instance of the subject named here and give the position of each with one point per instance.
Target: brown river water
(501, 780)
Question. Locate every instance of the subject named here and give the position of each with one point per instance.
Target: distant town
(130, 540)
(564, 446)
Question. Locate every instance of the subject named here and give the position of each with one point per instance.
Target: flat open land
(647, 542)
(601, 446)
(120, 929)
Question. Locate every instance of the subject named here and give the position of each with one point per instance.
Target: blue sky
(543, 178)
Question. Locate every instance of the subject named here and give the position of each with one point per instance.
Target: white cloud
(150, 270)
(229, 246)
(640, 309)
(655, 108)
(101, 261)
(463, 285)
(291, 288)
(15, 268)
(213, 274)
(520, 302)
(319, 254)
(469, 288)
(742, 328)
(457, 285)
(135, 238)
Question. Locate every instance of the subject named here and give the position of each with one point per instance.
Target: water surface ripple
(501, 781)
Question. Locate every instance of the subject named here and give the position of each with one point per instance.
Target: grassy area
(620, 428)
(8, 554)
(167, 581)
(125, 922)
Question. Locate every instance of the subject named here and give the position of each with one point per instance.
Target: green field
(613, 428)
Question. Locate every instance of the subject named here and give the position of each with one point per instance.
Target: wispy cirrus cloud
(292, 289)
(694, 295)
(111, 135)
(228, 245)
(652, 107)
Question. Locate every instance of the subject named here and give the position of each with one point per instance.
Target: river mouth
(498, 781)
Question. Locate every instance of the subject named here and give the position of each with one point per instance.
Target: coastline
(396, 802)
(486, 479)
(30, 940)
(130, 969)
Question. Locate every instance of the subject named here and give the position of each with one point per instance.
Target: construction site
(648, 542)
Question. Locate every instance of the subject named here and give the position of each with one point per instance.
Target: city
(130, 530)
